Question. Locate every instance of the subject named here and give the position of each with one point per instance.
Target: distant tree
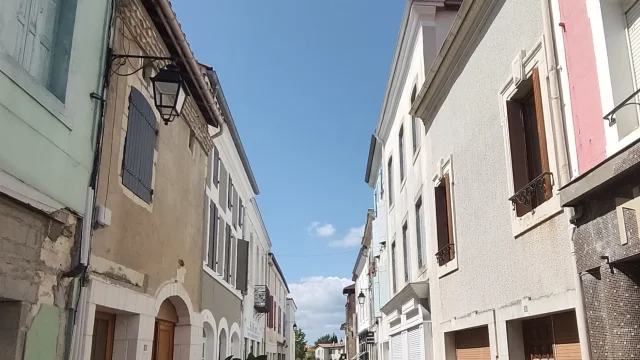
(334, 338)
(324, 339)
(301, 342)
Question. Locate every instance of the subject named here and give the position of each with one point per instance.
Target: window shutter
(442, 224)
(243, 265)
(216, 166)
(413, 344)
(517, 144)
(447, 187)
(42, 27)
(219, 267)
(213, 233)
(633, 25)
(542, 138)
(222, 189)
(139, 145)
(234, 263)
(396, 347)
(227, 254)
(235, 208)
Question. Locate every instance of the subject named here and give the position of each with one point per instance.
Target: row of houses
(505, 192)
(129, 227)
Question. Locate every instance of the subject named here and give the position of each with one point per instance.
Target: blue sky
(304, 81)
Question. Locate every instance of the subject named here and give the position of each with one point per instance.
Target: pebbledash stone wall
(35, 250)
(611, 286)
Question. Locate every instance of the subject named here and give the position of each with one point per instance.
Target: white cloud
(320, 306)
(352, 239)
(323, 230)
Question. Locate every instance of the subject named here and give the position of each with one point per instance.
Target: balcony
(445, 254)
(533, 194)
(261, 297)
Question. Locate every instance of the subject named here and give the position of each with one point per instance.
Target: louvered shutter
(139, 145)
(633, 25)
(216, 166)
(222, 189)
(397, 348)
(243, 265)
(219, 260)
(235, 208)
(227, 253)
(234, 254)
(414, 345)
(213, 221)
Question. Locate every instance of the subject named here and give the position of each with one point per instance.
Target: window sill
(520, 225)
(219, 279)
(448, 268)
(42, 95)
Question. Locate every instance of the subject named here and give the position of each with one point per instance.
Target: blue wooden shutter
(139, 145)
(213, 222)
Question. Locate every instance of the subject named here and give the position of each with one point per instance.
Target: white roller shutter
(633, 24)
(397, 350)
(414, 344)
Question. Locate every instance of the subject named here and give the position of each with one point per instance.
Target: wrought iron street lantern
(295, 327)
(361, 298)
(168, 92)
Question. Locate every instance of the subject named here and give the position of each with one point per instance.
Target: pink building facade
(600, 41)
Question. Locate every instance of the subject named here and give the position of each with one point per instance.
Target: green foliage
(327, 339)
(301, 342)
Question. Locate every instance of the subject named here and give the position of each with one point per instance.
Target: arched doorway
(163, 332)
(222, 345)
(208, 342)
(235, 345)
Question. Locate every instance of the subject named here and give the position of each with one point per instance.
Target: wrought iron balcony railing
(445, 254)
(261, 297)
(531, 191)
(611, 115)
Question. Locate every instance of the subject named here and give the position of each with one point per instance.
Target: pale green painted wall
(43, 142)
(42, 337)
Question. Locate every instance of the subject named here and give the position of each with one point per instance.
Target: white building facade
(289, 330)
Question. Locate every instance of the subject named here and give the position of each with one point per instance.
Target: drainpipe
(564, 165)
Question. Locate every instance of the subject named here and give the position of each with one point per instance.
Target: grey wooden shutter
(139, 144)
(414, 345)
(227, 253)
(233, 254)
(213, 219)
(243, 265)
(222, 189)
(220, 247)
(235, 208)
(216, 166)
(633, 26)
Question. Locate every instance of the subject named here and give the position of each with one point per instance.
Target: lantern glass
(361, 298)
(168, 92)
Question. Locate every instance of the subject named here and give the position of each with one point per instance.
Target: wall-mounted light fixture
(295, 327)
(169, 92)
(361, 298)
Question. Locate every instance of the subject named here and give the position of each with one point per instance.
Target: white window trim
(613, 143)
(446, 167)
(529, 60)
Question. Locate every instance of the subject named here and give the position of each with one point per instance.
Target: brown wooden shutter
(447, 187)
(139, 146)
(473, 344)
(442, 223)
(518, 146)
(243, 265)
(542, 139)
(565, 332)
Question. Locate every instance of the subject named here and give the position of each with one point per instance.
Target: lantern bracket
(112, 58)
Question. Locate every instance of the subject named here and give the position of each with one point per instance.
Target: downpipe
(564, 167)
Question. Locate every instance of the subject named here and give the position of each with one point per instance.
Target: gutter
(168, 17)
(233, 131)
(275, 262)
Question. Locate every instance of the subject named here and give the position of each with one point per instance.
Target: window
(204, 344)
(393, 266)
(415, 123)
(401, 149)
(139, 147)
(528, 144)
(38, 36)
(213, 234)
(192, 142)
(444, 221)
(405, 252)
(419, 233)
(390, 180)
(240, 213)
(216, 166)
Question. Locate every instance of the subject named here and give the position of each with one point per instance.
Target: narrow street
(498, 141)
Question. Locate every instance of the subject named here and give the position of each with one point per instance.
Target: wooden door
(163, 340)
(102, 343)
(538, 339)
(473, 344)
